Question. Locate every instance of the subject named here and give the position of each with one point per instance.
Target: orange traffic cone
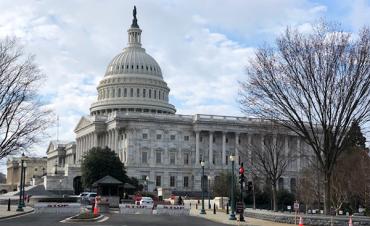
(350, 221)
(300, 221)
(96, 209)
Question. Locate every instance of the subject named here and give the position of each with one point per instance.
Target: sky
(203, 47)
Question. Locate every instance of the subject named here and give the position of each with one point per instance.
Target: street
(114, 219)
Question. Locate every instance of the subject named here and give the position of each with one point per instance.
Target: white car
(146, 201)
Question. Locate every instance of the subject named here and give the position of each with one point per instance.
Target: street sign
(296, 205)
(239, 207)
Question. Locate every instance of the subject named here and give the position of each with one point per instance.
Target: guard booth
(110, 191)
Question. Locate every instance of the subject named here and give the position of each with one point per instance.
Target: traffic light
(241, 174)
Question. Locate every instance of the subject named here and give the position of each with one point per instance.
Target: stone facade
(35, 168)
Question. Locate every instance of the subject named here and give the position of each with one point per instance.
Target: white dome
(133, 82)
(133, 60)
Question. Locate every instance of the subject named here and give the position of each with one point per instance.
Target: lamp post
(24, 182)
(20, 202)
(202, 211)
(147, 183)
(232, 213)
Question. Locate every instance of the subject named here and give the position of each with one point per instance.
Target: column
(223, 148)
(250, 148)
(237, 159)
(110, 139)
(116, 141)
(197, 148)
(96, 143)
(210, 153)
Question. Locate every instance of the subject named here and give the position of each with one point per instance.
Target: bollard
(196, 206)
(9, 204)
(214, 208)
(190, 205)
(227, 208)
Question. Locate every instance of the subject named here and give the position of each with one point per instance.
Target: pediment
(84, 121)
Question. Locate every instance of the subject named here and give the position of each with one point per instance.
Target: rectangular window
(158, 157)
(186, 138)
(186, 158)
(172, 158)
(150, 93)
(172, 181)
(158, 181)
(155, 94)
(227, 158)
(201, 139)
(186, 182)
(159, 136)
(145, 136)
(144, 93)
(144, 157)
(137, 92)
(143, 177)
(132, 92)
(125, 92)
(214, 139)
(173, 137)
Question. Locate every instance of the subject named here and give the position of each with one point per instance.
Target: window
(155, 94)
(172, 181)
(159, 136)
(227, 140)
(186, 158)
(186, 138)
(159, 94)
(113, 93)
(145, 136)
(119, 92)
(172, 158)
(214, 139)
(143, 177)
(158, 181)
(131, 92)
(186, 182)
(150, 93)
(144, 93)
(173, 137)
(158, 157)
(125, 92)
(144, 157)
(201, 139)
(137, 92)
(227, 158)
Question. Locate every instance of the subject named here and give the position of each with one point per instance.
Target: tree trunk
(274, 197)
(327, 193)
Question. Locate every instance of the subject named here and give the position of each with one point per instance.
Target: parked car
(146, 201)
(88, 197)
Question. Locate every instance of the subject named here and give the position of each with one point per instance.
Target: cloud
(201, 46)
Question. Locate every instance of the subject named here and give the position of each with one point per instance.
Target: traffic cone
(300, 221)
(350, 221)
(96, 209)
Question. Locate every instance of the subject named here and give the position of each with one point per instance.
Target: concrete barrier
(57, 207)
(134, 209)
(174, 210)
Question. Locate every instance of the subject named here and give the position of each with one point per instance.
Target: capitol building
(132, 116)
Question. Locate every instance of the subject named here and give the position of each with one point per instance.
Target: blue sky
(202, 46)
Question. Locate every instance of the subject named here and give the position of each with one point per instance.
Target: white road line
(17, 216)
(104, 219)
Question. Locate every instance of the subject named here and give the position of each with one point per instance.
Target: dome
(133, 81)
(133, 60)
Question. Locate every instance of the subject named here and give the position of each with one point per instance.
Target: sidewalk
(4, 213)
(223, 218)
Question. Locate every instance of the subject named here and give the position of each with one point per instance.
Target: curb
(70, 220)
(16, 215)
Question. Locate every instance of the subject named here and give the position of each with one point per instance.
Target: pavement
(4, 213)
(222, 217)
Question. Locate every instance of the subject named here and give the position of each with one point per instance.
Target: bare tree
(23, 120)
(316, 85)
(272, 161)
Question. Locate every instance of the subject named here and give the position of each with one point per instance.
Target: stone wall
(314, 220)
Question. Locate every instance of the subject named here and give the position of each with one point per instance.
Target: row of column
(85, 143)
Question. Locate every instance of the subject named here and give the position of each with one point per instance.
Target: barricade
(173, 210)
(135, 209)
(57, 207)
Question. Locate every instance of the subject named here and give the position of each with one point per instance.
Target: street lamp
(202, 211)
(209, 192)
(147, 183)
(232, 213)
(21, 199)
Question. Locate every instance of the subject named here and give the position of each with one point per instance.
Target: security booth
(110, 191)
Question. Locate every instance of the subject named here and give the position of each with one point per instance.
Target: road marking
(17, 216)
(104, 219)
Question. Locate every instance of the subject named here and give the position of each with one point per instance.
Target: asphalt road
(114, 220)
